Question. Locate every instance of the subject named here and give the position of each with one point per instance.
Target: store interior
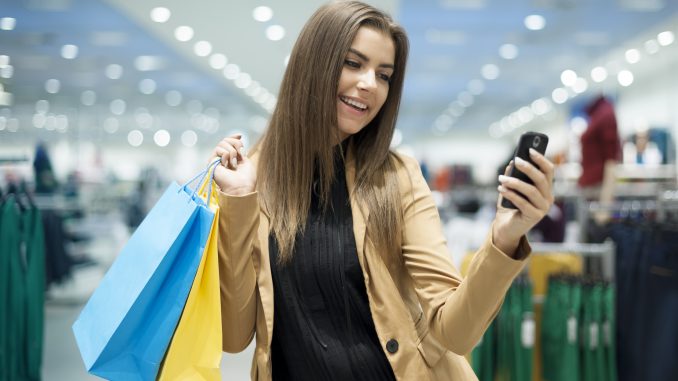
(104, 103)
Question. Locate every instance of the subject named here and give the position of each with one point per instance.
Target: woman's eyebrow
(364, 58)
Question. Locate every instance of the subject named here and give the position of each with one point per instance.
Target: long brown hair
(304, 124)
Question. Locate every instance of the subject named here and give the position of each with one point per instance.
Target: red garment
(600, 142)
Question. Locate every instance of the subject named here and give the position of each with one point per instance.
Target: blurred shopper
(45, 181)
(331, 248)
(640, 150)
(601, 151)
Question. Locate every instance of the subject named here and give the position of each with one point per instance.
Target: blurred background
(104, 102)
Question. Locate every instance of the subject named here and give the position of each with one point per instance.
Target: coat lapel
(359, 212)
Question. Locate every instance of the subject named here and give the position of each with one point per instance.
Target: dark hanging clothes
(22, 288)
(599, 143)
(58, 264)
(323, 328)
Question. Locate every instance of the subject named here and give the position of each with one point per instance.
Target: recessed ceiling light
(625, 78)
(651, 46)
(262, 13)
(114, 71)
(535, 22)
(147, 86)
(160, 14)
(231, 71)
(161, 138)
(253, 89)
(508, 51)
(118, 106)
(42, 106)
(7, 23)
(189, 138)
(202, 48)
(665, 38)
(39, 120)
(490, 71)
(183, 33)
(243, 80)
(540, 106)
(52, 86)
(111, 125)
(580, 85)
(632, 56)
(568, 77)
(476, 86)
(598, 74)
(218, 61)
(275, 32)
(135, 138)
(559, 95)
(69, 51)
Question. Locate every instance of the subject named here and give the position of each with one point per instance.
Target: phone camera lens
(536, 141)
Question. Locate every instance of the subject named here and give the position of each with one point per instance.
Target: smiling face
(364, 81)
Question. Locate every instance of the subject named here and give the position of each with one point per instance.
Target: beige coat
(421, 302)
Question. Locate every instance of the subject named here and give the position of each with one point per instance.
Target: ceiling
(451, 40)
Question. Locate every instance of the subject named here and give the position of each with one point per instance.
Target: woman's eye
(351, 64)
(385, 77)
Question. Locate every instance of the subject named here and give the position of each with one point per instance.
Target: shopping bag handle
(208, 171)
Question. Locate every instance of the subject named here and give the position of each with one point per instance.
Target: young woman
(331, 248)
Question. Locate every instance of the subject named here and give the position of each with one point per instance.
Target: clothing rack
(13, 160)
(603, 253)
(582, 249)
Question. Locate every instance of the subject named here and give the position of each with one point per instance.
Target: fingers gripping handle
(206, 179)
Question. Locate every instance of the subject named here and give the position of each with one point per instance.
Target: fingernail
(503, 178)
(501, 189)
(234, 162)
(242, 151)
(534, 152)
(520, 162)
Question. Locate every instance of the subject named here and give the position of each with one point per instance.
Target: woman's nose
(368, 80)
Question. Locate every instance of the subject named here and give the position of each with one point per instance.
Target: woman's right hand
(237, 174)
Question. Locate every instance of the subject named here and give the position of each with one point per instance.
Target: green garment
(588, 341)
(548, 331)
(9, 295)
(483, 357)
(503, 345)
(22, 284)
(609, 331)
(569, 371)
(527, 332)
(35, 292)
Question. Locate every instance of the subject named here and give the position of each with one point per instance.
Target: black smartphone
(527, 140)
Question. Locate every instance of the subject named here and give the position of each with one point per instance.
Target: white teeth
(354, 103)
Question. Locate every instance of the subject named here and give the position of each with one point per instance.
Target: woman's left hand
(511, 224)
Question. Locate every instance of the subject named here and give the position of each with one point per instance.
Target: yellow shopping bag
(195, 350)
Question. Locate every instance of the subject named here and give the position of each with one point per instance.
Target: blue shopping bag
(125, 328)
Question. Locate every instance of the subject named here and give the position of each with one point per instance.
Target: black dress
(323, 328)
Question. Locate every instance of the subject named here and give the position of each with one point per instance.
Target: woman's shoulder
(405, 164)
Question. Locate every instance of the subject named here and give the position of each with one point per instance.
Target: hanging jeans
(647, 302)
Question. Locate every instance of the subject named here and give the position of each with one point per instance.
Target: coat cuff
(239, 206)
(522, 251)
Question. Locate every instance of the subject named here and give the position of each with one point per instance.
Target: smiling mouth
(355, 104)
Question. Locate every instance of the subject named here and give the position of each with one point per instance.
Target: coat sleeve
(238, 225)
(458, 310)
